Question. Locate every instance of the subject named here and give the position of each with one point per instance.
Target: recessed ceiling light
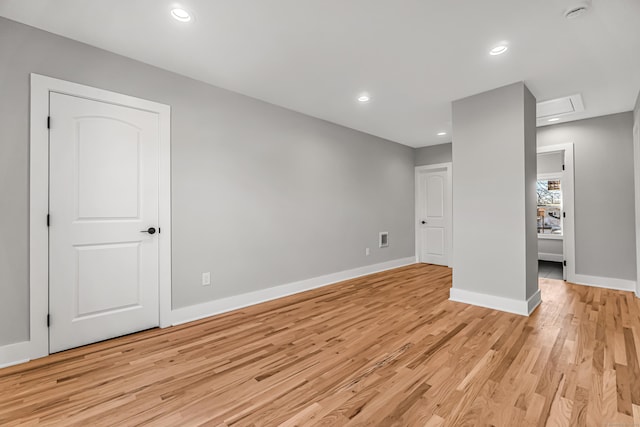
(498, 50)
(363, 98)
(442, 133)
(181, 15)
(555, 119)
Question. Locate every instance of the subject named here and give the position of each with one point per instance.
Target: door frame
(41, 86)
(568, 204)
(449, 207)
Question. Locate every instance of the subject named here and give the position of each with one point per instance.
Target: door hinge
(564, 214)
(159, 230)
(564, 263)
(48, 320)
(48, 122)
(562, 167)
(47, 220)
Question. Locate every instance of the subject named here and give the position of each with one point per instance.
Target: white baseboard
(542, 256)
(605, 282)
(534, 301)
(22, 352)
(211, 308)
(521, 307)
(14, 354)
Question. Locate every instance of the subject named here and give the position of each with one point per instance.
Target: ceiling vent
(559, 106)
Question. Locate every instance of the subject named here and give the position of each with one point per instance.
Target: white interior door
(103, 279)
(433, 212)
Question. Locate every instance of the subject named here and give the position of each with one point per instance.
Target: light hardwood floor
(386, 349)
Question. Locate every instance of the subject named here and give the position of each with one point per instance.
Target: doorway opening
(554, 212)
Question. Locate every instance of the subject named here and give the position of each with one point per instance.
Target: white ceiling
(412, 56)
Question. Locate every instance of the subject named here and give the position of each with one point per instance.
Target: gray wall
(604, 193)
(262, 196)
(530, 192)
(550, 162)
(494, 178)
(636, 144)
(433, 154)
(550, 246)
(603, 153)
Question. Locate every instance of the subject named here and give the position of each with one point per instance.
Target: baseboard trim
(211, 308)
(605, 282)
(510, 305)
(534, 301)
(22, 352)
(14, 354)
(543, 256)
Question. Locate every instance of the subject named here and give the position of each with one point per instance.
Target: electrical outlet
(206, 279)
(367, 252)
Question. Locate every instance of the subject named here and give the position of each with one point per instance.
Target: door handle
(424, 222)
(149, 230)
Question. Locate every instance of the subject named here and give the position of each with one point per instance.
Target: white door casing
(433, 214)
(92, 213)
(103, 270)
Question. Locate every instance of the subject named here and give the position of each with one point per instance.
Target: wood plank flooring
(386, 349)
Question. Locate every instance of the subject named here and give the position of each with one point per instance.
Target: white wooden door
(433, 217)
(103, 279)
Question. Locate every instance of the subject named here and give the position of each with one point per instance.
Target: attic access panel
(560, 106)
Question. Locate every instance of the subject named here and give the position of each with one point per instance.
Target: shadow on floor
(549, 270)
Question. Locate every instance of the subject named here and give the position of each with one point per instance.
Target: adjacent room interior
(320, 213)
(550, 214)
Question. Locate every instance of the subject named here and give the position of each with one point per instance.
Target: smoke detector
(577, 10)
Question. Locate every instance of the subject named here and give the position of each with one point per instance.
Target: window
(549, 206)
